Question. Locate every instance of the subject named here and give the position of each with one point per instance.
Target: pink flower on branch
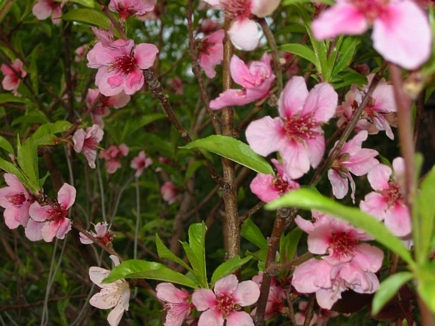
(169, 192)
(244, 31)
(51, 220)
(46, 8)
(387, 203)
(352, 159)
(297, 134)
(16, 201)
(268, 187)
(120, 65)
(112, 155)
(211, 52)
(401, 31)
(256, 78)
(114, 295)
(127, 8)
(176, 302)
(101, 233)
(224, 303)
(140, 163)
(275, 300)
(86, 142)
(12, 76)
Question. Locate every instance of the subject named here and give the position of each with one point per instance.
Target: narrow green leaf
(348, 77)
(234, 150)
(148, 270)
(251, 232)
(228, 267)
(165, 253)
(27, 157)
(426, 284)
(87, 16)
(388, 289)
(289, 244)
(312, 200)
(44, 135)
(11, 168)
(84, 3)
(345, 53)
(300, 50)
(9, 98)
(197, 233)
(4, 143)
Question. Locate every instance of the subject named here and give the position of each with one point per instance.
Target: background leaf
(228, 267)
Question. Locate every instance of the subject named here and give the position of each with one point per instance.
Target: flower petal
(244, 34)
(265, 135)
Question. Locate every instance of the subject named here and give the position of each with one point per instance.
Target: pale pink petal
(319, 239)
(247, 293)
(226, 285)
(109, 83)
(12, 217)
(369, 258)
(383, 96)
(295, 158)
(304, 224)
(145, 55)
(120, 100)
(133, 82)
(322, 102)
(66, 195)
(203, 299)
(312, 275)
(211, 318)
(42, 9)
(398, 220)
(379, 177)
(244, 34)
(293, 97)
(49, 231)
(240, 72)
(316, 148)
(39, 213)
(340, 186)
(115, 315)
(398, 167)
(97, 275)
(232, 97)
(342, 18)
(374, 204)
(394, 34)
(99, 300)
(327, 297)
(239, 318)
(263, 8)
(79, 140)
(63, 228)
(33, 230)
(169, 293)
(266, 135)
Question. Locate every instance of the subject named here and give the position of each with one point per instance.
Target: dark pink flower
(169, 192)
(224, 303)
(16, 200)
(127, 8)
(46, 8)
(120, 65)
(177, 303)
(101, 233)
(387, 203)
(12, 76)
(51, 220)
(256, 78)
(87, 142)
(268, 187)
(297, 134)
(352, 159)
(401, 30)
(140, 163)
(211, 52)
(112, 155)
(244, 31)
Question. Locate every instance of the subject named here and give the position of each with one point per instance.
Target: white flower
(112, 295)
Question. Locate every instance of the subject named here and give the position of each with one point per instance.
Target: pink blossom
(211, 52)
(87, 142)
(275, 300)
(51, 220)
(101, 104)
(244, 31)
(46, 8)
(377, 115)
(223, 304)
(256, 78)
(127, 8)
(115, 295)
(101, 233)
(112, 155)
(401, 31)
(140, 163)
(169, 192)
(268, 187)
(120, 65)
(176, 303)
(297, 134)
(387, 203)
(13, 75)
(352, 159)
(80, 52)
(16, 200)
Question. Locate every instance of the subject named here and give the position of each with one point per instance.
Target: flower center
(342, 244)
(57, 213)
(107, 237)
(237, 8)
(90, 143)
(125, 64)
(372, 9)
(17, 199)
(226, 304)
(392, 194)
(125, 11)
(301, 127)
(281, 185)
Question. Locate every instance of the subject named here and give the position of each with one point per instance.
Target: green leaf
(88, 16)
(234, 150)
(84, 3)
(312, 200)
(27, 157)
(228, 267)
(289, 244)
(8, 98)
(388, 289)
(4, 143)
(300, 50)
(348, 77)
(148, 270)
(426, 284)
(44, 135)
(251, 232)
(424, 230)
(11, 168)
(197, 245)
(345, 53)
(135, 124)
(165, 253)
